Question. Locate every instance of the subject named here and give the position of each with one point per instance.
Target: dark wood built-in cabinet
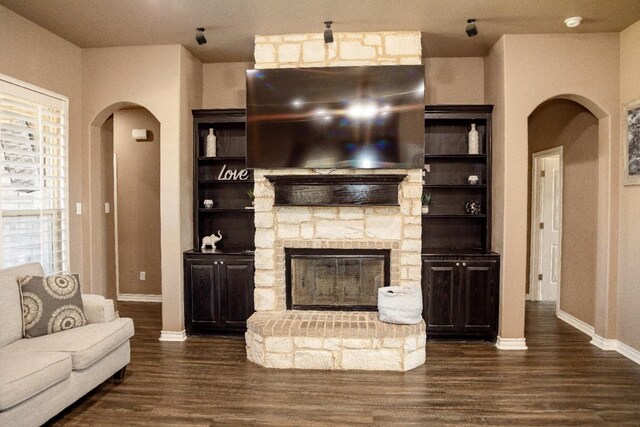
(460, 274)
(460, 295)
(219, 284)
(219, 292)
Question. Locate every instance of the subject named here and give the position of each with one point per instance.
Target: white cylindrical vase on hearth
(401, 305)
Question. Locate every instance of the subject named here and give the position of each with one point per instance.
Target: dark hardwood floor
(560, 380)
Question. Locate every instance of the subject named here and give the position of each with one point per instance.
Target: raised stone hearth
(333, 340)
(281, 338)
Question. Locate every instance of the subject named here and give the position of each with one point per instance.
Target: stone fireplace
(281, 337)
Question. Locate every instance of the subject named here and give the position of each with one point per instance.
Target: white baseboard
(603, 343)
(628, 352)
(139, 298)
(511, 343)
(173, 336)
(576, 323)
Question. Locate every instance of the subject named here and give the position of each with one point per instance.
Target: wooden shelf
(219, 159)
(456, 156)
(456, 186)
(218, 182)
(228, 214)
(454, 215)
(220, 210)
(336, 190)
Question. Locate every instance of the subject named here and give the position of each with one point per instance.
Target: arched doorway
(125, 202)
(563, 212)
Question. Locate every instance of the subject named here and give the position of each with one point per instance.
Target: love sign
(233, 175)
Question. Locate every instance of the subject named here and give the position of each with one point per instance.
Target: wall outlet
(78, 208)
(107, 208)
(143, 275)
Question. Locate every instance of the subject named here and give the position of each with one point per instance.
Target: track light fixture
(200, 38)
(472, 29)
(328, 34)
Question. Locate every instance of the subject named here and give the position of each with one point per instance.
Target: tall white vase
(211, 144)
(474, 145)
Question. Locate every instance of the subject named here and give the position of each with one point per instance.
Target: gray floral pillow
(51, 304)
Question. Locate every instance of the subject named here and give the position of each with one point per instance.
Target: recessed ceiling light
(573, 21)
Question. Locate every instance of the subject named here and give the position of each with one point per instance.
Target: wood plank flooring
(560, 380)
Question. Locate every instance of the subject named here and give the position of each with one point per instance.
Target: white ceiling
(232, 24)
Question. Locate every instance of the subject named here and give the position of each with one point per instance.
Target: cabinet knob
(457, 263)
(215, 262)
(221, 262)
(464, 263)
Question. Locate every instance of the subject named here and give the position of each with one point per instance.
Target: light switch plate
(78, 208)
(143, 275)
(107, 208)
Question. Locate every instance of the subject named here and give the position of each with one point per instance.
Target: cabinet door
(440, 294)
(478, 283)
(237, 279)
(205, 293)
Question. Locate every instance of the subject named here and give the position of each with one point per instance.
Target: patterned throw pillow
(50, 304)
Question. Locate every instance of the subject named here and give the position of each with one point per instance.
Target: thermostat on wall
(139, 134)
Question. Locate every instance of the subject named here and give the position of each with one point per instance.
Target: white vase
(474, 145)
(211, 144)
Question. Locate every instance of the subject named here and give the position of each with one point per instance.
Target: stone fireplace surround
(281, 338)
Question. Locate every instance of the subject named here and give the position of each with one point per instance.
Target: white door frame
(115, 223)
(536, 212)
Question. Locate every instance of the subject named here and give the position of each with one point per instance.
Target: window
(34, 214)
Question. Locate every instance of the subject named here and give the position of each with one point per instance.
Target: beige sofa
(39, 377)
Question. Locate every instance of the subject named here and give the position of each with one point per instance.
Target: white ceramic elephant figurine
(211, 240)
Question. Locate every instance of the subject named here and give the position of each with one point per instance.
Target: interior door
(551, 205)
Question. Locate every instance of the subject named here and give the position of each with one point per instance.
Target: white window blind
(34, 213)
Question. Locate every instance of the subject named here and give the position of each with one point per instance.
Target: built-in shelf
(219, 210)
(219, 181)
(456, 156)
(454, 186)
(453, 215)
(219, 159)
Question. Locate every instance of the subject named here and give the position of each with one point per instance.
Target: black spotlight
(328, 34)
(200, 36)
(472, 29)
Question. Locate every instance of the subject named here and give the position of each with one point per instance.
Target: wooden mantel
(336, 190)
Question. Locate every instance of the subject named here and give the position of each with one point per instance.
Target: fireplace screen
(345, 279)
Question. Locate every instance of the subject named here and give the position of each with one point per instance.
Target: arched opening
(563, 172)
(125, 204)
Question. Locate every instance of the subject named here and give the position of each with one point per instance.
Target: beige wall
(448, 81)
(34, 55)
(629, 266)
(454, 80)
(224, 85)
(138, 201)
(564, 123)
(167, 81)
(108, 225)
(530, 69)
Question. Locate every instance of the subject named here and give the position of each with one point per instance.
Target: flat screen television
(336, 117)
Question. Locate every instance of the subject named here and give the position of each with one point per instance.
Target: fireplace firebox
(335, 279)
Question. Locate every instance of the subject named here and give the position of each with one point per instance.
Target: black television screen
(336, 117)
